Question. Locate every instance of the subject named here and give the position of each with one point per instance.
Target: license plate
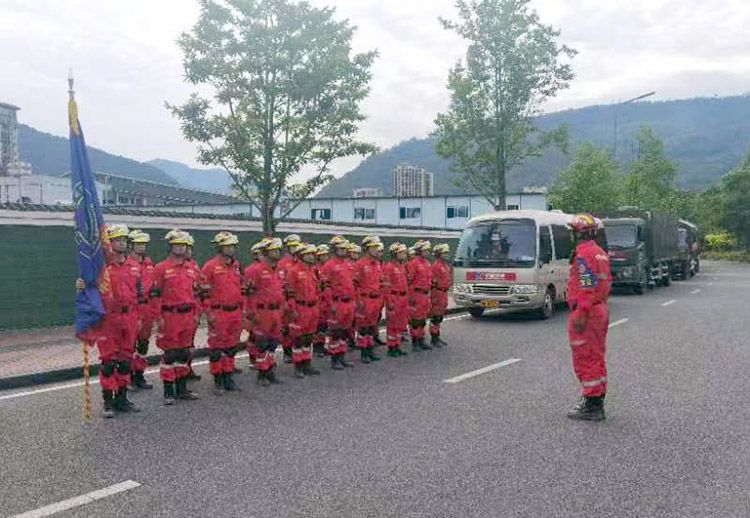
(490, 303)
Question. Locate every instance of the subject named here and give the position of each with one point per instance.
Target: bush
(720, 242)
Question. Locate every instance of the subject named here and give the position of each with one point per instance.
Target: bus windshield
(498, 244)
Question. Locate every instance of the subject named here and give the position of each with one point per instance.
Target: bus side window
(563, 242)
(545, 245)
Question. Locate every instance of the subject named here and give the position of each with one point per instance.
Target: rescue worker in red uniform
(222, 282)
(354, 251)
(395, 292)
(199, 295)
(174, 281)
(336, 276)
(319, 342)
(116, 334)
(286, 264)
(419, 275)
(147, 310)
(266, 293)
(303, 296)
(441, 283)
(368, 284)
(589, 287)
(248, 311)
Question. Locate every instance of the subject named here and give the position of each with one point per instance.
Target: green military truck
(688, 250)
(642, 247)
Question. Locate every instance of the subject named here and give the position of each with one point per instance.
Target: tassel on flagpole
(86, 386)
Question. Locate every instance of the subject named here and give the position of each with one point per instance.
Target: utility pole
(617, 113)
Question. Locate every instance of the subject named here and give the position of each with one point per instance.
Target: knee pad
(108, 368)
(214, 355)
(123, 367)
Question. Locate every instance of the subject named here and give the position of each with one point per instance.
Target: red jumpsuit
(589, 285)
(267, 302)
(303, 293)
(174, 283)
(441, 283)
(368, 282)
(284, 268)
(419, 275)
(336, 274)
(395, 291)
(147, 313)
(223, 307)
(119, 327)
(323, 313)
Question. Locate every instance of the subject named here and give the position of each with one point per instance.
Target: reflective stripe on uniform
(593, 383)
(578, 342)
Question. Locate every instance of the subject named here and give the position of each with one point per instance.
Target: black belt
(233, 307)
(399, 293)
(270, 307)
(420, 290)
(342, 299)
(184, 308)
(124, 309)
(307, 304)
(371, 296)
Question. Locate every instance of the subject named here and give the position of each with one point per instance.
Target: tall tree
(736, 215)
(513, 64)
(592, 183)
(651, 182)
(286, 92)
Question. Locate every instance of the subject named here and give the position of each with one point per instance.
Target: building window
(512, 207)
(320, 214)
(409, 212)
(457, 212)
(363, 214)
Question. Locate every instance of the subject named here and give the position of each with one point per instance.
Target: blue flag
(89, 229)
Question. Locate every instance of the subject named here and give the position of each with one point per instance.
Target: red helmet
(583, 223)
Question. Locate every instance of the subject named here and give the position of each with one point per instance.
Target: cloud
(127, 64)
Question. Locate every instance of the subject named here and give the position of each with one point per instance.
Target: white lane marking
(619, 322)
(483, 370)
(669, 302)
(709, 284)
(49, 510)
(695, 292)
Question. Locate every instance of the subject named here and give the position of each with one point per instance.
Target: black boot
(345, 362)
(336, 363)
(423, 346)
(183, 392)
(272, 377)
(372, 355)
(364, 356)
(108, 408)
(169, 393)
(299, 372)
(592, 409)
(139, 381)
(308, 369)
(435, 341)
(219, 384)
(229, 384)
(263, 380)
(123, 404)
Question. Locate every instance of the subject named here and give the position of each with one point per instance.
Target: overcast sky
(126, 62)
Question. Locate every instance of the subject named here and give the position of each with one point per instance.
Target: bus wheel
(476, 312)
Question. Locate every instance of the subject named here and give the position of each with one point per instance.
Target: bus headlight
(525, 289)
(461, 288)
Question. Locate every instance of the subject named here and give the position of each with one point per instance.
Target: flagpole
(72, 113)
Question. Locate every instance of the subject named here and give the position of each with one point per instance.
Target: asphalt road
(394, 440)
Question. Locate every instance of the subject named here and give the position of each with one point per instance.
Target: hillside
(49, 154)
(213, 180)
(706, 137)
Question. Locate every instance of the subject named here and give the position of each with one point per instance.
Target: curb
(74, 373)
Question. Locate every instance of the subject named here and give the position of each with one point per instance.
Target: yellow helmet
(369, 241)
(179, 237)
(411, 252)
(442, 248)
(292, 240)
(190, 239)
(305, 249)
(338, 242)
(354, 248)
(583, 223)
(259, 246)
(273, 243)
(422, 245)
(396, 248)
(115, 231)
(139, 236)
(225, 239)
(323, 250)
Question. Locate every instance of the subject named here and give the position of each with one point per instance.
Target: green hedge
(38, 269)
(736, 256)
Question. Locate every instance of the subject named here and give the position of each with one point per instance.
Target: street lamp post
(617, 113)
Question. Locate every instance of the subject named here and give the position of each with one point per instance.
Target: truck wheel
(476, 312)
(548, 308)
(640, 288)
(685, 271)
(667, 279)
(697, 266)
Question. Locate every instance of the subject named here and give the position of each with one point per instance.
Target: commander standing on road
(589, 286)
